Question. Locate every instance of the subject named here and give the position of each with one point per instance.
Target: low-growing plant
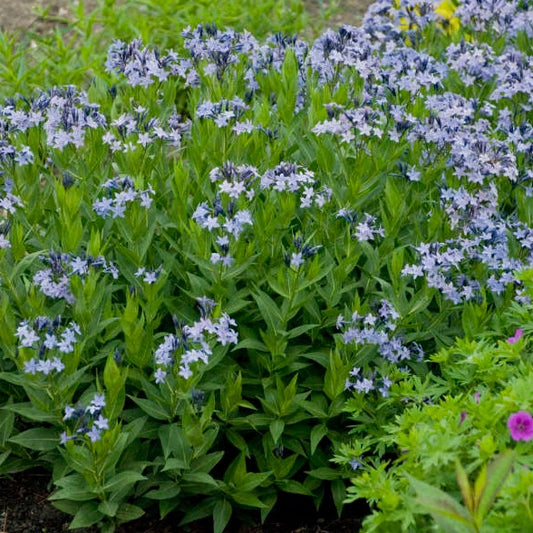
(466, 416)
(217, 258)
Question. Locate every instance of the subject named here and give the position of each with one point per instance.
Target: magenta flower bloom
(515, 337)
(521, 426)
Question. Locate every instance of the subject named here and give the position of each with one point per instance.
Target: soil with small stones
(24, 507)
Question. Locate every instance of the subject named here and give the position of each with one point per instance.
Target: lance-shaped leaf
(496, 474)
(449, 514)
(464, 485)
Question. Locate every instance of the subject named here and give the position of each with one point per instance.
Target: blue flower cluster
(235, 182)
(137, 129)
(8, 203)
(120, 192)
(46, 337)
(54, 281)
(191, 344)
(379, 329)
(87, 421)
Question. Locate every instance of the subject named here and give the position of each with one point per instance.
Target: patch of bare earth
(25, 15)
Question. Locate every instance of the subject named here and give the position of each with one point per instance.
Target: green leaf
(108, 508)
(122, 480)
(293, 487)
(268, 309)
(248, 499)
(166, 491)
(174, 442)
(479, 488)
(203, 509)
(200, 478)
(221, 515)
(253, 344)
(40, 439)
(128, 512)
(151, 408)
(324, 473)
(252, 480)
(299, 330)
(7, 422)
(464, 485)
(77, 494)
(29, 411)
(205, 463)
(441, 506)
(338, 491)
(317, 434)
(497, 473)
(336, 374)
(276, 429)
(87, 515)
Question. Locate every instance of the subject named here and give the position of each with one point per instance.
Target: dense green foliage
(249, 267)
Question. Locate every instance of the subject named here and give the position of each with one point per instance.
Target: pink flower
(515, 337)
(521, 426)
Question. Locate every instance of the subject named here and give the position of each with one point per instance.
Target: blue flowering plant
(231, 265)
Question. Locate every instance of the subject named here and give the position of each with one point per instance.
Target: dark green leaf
(122, 480)
(108, 508)
(40, 439)
(221, 515)
(128, 512)
(276, 429)
(152, 409)
(324, 473)
(317, 434)
(87, 515)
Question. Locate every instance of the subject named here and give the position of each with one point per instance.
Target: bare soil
(24, 508)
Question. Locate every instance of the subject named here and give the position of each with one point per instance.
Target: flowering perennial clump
(385, 169)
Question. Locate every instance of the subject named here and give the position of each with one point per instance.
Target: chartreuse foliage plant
(237, 267)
